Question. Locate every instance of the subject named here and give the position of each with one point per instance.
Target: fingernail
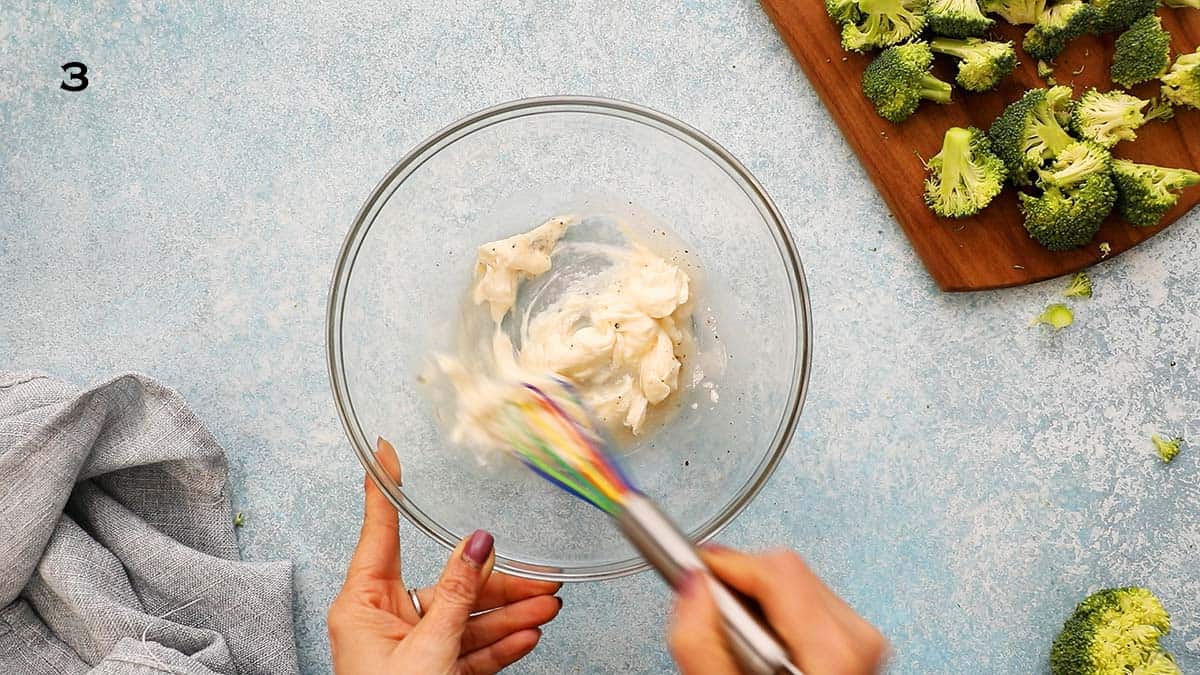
(478, 548)
(714, 547)
(687, 583)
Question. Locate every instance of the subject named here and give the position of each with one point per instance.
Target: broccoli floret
(842, 11)
(1058, 315)
(1076, 163)
(1115, 15)
(1057, 25)
(984, 63)
(1182, 4)
(1105, 249)
(964, 176)
(1108, 117)
(1141, 53)
(1080, 286)
(882, 23)
(1181, 84)
(1145, 192)
(957, 18)
(898, 79)
(1030, 131)
(1159, 109)
(1114, 631)
(1063, 218)
(1045, 70)
(1016, 12)
(1167, 447)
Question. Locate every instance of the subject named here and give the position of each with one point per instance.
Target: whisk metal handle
(670, 552)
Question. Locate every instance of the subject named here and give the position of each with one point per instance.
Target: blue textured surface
(960, 478)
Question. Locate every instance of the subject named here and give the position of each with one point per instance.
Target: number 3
(77, 76)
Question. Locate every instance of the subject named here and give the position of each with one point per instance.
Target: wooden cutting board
(991, 249)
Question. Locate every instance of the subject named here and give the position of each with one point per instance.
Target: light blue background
(958, 477)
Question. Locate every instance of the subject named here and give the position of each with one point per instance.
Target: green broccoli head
(1141, 53)
(1146, 192)
(1016, 12)
(964, 176)
(1108, 117)
(983, 63)
(1076, 163)
(1167, 447)
(1063, 218)
(1057, 25)
(1080, 286)
(1114, 631)
(842, 11)
(898, 79)
(1030, 131)
(957, 18)
(1115, 15)
(1181, 84)
(882, 23)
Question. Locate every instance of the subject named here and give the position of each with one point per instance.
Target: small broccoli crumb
(239, 520)
(1105, 249)
(1058, 316)
(1080, 286)
(1045, 70)
(1167, 447)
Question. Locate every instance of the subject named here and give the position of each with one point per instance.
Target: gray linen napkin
(117, 546)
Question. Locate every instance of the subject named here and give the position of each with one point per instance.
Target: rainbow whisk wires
(552, 434)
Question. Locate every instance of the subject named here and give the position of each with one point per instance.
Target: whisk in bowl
(549, 428)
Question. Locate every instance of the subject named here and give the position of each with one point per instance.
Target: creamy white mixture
(619, 337)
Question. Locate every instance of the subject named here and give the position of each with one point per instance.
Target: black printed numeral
(78, 79)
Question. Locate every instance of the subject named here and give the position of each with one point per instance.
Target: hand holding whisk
(549, 429)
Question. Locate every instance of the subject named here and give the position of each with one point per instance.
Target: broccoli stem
(935, 89)
(1052, 133)
(956, 48)
(956, 151)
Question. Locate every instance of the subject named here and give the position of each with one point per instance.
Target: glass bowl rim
(502, 112)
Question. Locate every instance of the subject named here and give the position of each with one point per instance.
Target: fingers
(456, 594)
(500, 655)
(821, 632)
(486, 629)
(501, 589)
(695, 636)
(378, 552)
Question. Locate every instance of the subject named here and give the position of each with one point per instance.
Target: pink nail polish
(478, 548)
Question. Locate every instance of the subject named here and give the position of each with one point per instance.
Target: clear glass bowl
(406, 265)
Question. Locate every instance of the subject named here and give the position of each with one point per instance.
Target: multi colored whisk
(549, 428)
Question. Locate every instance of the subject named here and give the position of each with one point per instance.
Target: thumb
(456, 593)
(695, 635)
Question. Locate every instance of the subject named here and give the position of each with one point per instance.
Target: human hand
(820, 631)
(374, 627)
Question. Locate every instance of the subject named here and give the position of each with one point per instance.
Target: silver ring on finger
(416, 601)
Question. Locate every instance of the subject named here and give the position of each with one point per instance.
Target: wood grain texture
(991, 249)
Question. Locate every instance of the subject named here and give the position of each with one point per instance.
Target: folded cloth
(117, 545)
